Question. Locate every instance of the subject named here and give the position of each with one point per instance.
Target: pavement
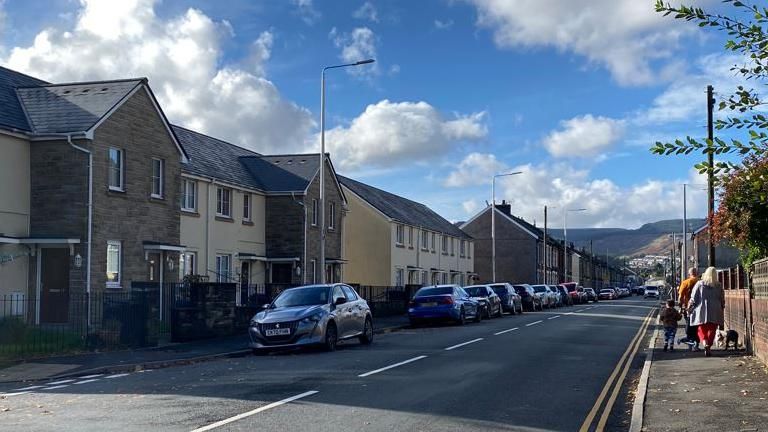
(687, 391)
(59, 367)
(543, 371)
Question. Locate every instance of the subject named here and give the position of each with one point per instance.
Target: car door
(343, 311)
(357, 310)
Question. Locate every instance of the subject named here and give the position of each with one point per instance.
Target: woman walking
(706, 308)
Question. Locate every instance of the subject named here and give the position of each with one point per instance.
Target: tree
(750, 38)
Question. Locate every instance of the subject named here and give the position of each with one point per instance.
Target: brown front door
(54, 285)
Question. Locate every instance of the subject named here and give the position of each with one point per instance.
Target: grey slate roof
(402, 209)
(64, 108)
(11, 113)
(274, 177)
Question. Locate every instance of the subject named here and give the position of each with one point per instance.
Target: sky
(572, 93)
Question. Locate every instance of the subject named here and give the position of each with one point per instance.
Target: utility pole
(710, 175)
(684, 257)
(546, 267)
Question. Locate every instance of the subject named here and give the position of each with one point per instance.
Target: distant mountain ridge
(650, 239)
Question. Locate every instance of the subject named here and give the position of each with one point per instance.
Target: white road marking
(15, 393)
(29, 388)
(506, 331)
(534, 323)
(462, 344)
(581, 310)
(60, 382)
(569, 313)
(256, 411)
(392, 366)
(116, 376)
(556, 316)
(85, 381)
(91, 376)
(56, 387)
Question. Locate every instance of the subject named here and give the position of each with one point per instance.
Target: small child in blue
(669, 317)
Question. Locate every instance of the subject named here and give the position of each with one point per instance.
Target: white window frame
(313, 272)
(222, 276)
(158, 179)
(220, 190)
(424, 240)
(188, 195)
(399, 277)
(332, 216)
(399, 234)
(444, 244)
(410, 236)
(119, 244)
(453, 247)
(463, 249)
(314, 212)
(187, 264)
(433, 242)
(121, 153)
(247, 207)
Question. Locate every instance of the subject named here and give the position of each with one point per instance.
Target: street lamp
(493, 220)
(565, 238)
(322, 160)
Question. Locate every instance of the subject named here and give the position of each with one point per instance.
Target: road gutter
(638, 407)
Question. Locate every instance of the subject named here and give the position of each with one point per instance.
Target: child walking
(669, 317)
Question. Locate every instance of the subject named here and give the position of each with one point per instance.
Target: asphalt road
(550, 370)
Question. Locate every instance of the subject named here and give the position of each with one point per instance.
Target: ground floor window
(223, 268)
(114, 262)
(187, 264)
(399, 277)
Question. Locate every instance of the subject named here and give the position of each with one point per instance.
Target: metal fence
(760, 279)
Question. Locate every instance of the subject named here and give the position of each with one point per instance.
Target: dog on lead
(727, 338)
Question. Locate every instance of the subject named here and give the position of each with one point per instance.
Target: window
(313, 271)
(399, 277)
(410, 236)
(349, 292)
(187, 262)
(223, 268)
(453, 247)
(469, 249)
(337, 293)
(400, 234)
(158, 177)
(224, 202)
(424, 277)
(188, 195)
(445, 278)
(114, 255)
(424, 240)
(332, 216)
(115, 169)
(433, 242)
(247, 207)
(462, 249)
(445, 245)
(314, 212)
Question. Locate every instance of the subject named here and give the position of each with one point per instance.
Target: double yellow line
(626, 362)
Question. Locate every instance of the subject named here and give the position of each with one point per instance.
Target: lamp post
(565, 238)
(321, 219)
(493, 220)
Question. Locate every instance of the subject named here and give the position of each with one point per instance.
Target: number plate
(429, 304)
(278, 332)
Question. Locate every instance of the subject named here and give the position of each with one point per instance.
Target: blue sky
(572, 93)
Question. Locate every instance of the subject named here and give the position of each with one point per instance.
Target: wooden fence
(746, 308)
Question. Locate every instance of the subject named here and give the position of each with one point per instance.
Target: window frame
(424, 240)
(399, 234)
(410, 237)
(110, 167)
(314, 212)
(184, 264)
(444, 244)
(313, 273)
(220, 191)
(185, 195)
(220, 275)
(247, 207)
(399, 277)
(332, 216)
(159, 179)
(462, 248)
(433, 243)
(117, 283)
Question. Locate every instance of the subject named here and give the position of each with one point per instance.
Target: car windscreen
(499, 289)
(651, 288)
(539, 288)
(520, 290)
(606, 291)
(476, 291)
(303, 297)
(434, 291)
(571, 288)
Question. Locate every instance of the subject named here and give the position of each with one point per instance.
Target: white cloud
(388, 133)
(443, 25)
(626, 36)
(367, 12)
(474, 169)
(584, 136)
(305, 9)
(470, 206)
(181, 57)
(358, 45)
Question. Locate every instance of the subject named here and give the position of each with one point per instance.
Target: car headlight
(254, 323)
(312, 318)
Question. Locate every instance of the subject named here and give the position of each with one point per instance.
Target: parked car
(572, 288)
(443, 302)
(488, 299)
(510, 300)
(547, 299)
(607, 294)
(651, 292)
(623, 292)
(565, 298)
(638, 290)
(312, 315)
(591, 295)
(531, 302)
(582, 294)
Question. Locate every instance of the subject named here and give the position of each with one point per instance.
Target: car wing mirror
(340, 301)
(267, 306)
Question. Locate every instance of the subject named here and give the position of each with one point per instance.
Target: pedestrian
(683, 296)
(706, 308)
(669, 318)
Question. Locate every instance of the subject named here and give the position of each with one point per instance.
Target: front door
(54, 285)
(153, 267)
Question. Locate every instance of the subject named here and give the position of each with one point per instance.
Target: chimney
(505, 208)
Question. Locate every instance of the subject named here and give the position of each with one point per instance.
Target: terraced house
(393, 241)
(89, 201)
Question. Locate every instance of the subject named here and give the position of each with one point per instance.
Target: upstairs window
(424, 240)
(224, 202)
(445, 245)
(115, 169)
(314, 212)
(158, 177)
(332, 216)
(188, 195)
(462, 249)
(433, 242)
(410, 236)
(247, 207)
(400, 234)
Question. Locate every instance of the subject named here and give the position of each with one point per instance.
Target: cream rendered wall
(403, 256)
(14, 212)
(366, 243)
(207, 235)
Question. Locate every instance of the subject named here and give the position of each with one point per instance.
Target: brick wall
(332, 237)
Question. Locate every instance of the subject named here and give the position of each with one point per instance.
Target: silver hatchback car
(312, 315)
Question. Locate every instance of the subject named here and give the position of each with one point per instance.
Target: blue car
(443, 302)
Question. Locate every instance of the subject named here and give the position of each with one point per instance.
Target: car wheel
(487, 312)
(478, 314)
(499, 313)
(513, 310)
(367, 337)
(331, 337)
(462, 318)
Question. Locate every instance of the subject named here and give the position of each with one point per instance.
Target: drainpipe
(90, 224)
(304, 211)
